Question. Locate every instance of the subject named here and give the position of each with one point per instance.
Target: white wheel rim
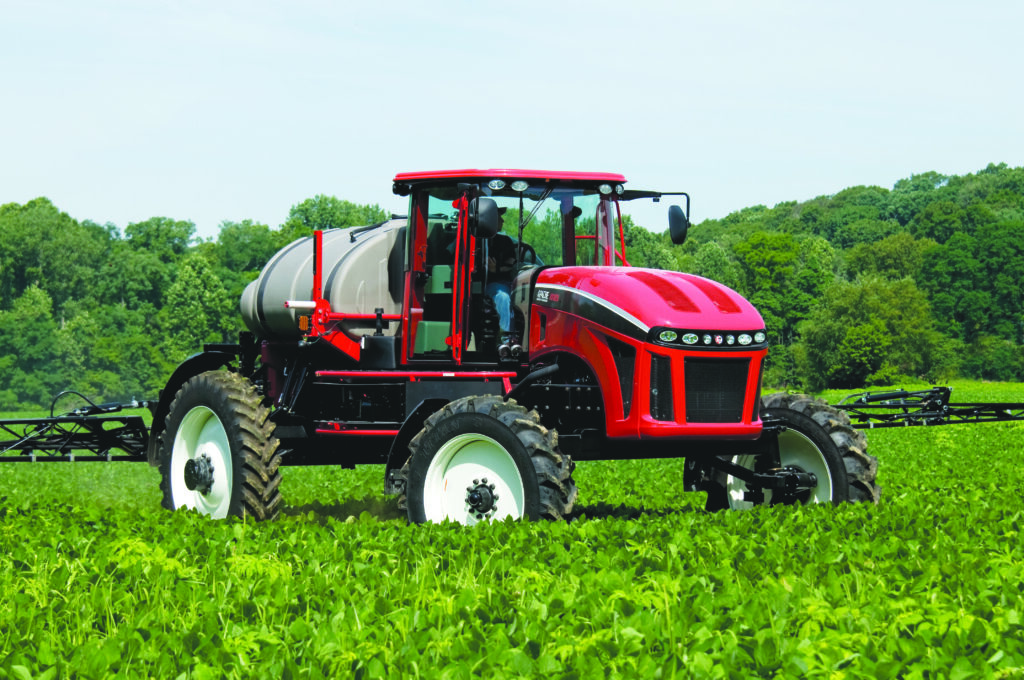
(458, 466)
(202, 434)
(795, 450)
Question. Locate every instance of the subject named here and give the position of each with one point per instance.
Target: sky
(225, 110)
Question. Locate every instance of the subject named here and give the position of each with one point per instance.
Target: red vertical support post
(318, 263)
(321, 315)
(460, 278)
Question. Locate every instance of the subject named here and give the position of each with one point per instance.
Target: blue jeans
(501, 293)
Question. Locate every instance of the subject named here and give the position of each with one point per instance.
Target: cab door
(437, 299)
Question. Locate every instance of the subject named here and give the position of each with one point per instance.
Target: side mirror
(678, 224)
(484, 220)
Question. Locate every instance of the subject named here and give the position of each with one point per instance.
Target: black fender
(400, 445)
(188, 369)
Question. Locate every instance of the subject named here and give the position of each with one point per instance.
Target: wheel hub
(199, 474)
(481, 498)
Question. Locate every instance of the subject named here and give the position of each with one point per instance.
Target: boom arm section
(903, 408)
(86, 434)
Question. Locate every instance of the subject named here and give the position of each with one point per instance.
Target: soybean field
(97, 580)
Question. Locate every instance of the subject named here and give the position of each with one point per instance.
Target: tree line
(865, 287)
(84, 306)
(872, 286)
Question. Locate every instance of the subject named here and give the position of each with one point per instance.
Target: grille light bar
(673, 337)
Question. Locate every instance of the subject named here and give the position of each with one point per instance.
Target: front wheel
(219, 455)
(483, 459)
(816, 439)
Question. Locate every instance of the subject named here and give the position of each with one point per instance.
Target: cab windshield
(550, 225)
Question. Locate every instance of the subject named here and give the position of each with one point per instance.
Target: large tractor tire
(817, 439)
(483, 459)
(219, 455)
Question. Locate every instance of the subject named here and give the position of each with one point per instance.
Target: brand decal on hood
(591, 307)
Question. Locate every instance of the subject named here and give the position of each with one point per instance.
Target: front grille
(661, 388)
(715, 389)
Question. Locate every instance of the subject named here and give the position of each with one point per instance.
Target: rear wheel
(817, 439)
(219, 455)
(482, 458)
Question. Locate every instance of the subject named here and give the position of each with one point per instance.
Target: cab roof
(560, 175)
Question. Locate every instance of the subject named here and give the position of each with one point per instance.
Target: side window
(586, 229)
(442, 225)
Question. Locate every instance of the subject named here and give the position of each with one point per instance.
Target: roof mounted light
(496, 184)
(520, 185)
(619, 189)
(605, 189)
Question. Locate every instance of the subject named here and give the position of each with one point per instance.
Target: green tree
(245, 246)
(1001, 254)
(30, 355)
(327, 212)
(953, 277)
(239, 253)
(895, 257)
(142, 267)
(872, 331)
(994, 358)
(645, 249)
(543, 233)
(714, 262)
(45, 247)
(938, 221)
(196, 309)
(910, 196)
(162, 237)
(769, 262)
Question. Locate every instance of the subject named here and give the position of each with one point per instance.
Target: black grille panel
(661, 388)
(625, 358)
(715, 389)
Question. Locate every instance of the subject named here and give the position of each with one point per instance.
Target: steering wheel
(529, 256)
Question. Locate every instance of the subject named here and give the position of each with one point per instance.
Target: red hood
(654, 297)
